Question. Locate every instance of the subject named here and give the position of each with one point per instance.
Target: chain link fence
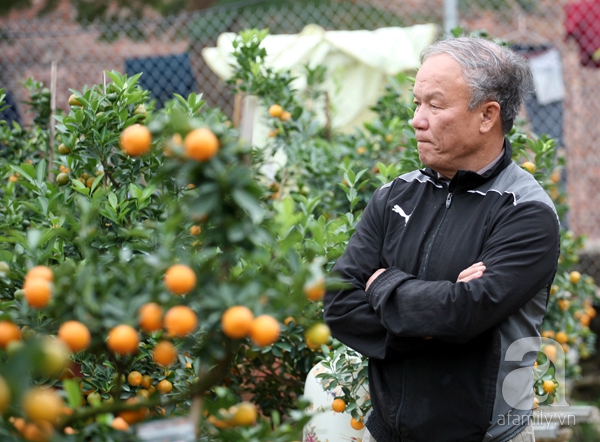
(560, 38)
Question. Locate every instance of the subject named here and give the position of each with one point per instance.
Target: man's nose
(419, 121)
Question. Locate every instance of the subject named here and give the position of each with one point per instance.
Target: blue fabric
(11, 112)
(546, 118)
(163, 76)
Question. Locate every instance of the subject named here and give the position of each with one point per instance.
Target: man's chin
(428, 162)
(425, 158)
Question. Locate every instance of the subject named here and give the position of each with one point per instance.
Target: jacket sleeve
(351, 319)
(520, 256)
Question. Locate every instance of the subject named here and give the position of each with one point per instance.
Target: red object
(582, 22)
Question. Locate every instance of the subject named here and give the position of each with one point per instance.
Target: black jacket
(436, 348)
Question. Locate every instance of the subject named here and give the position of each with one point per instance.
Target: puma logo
(400, 212)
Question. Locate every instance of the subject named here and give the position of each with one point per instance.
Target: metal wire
(168, 50)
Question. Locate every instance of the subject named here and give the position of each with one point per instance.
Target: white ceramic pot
(327, 425)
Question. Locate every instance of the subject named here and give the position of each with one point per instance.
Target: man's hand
(473, 272)
(374, 277)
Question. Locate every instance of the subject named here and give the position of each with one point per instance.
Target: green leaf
(105, 418)
(284, 346)
(362, 184)
(40, 171)
(134, 79)
(286, 214)
(97, 182)
(135, 191)
(291, 240)
(31, 206)
(206, 204)
(82, 189)
(312, 204)
(350, 176)
(78, 184)
(383, 170)
(148, 191)
(110, 214)
(344, 188)
(33, 238)
(123, 114)
(236, 232)
(113, 200)
(49, 235)
(250, 204)
(116, 77)
(26, 170)
(74, 395)
(43, 205)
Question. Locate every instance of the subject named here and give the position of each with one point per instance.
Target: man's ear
(490, 116)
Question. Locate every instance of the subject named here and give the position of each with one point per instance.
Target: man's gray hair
(492, 72)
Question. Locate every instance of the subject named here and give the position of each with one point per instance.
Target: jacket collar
(466, 179)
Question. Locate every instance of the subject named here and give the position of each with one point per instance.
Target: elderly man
(452, 264)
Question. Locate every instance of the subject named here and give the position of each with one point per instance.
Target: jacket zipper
(437, 230)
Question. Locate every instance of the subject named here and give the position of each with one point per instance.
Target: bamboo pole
(53, 75)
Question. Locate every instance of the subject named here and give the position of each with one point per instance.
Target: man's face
(447, 131)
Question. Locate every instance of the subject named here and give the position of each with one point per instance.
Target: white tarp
(358, 63)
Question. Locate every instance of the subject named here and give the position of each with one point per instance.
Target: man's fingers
(477, 267)
(373, 277)
(470, 277)
(473, 272)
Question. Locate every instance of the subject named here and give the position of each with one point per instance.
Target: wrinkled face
(447, 132)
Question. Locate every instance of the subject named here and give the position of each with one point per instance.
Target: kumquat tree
(150, 269)
(137, 268)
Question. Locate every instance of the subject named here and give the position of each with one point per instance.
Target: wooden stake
(237, 110)
(196, 413)
(327, 116)
(53, 76)
(237, 107)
